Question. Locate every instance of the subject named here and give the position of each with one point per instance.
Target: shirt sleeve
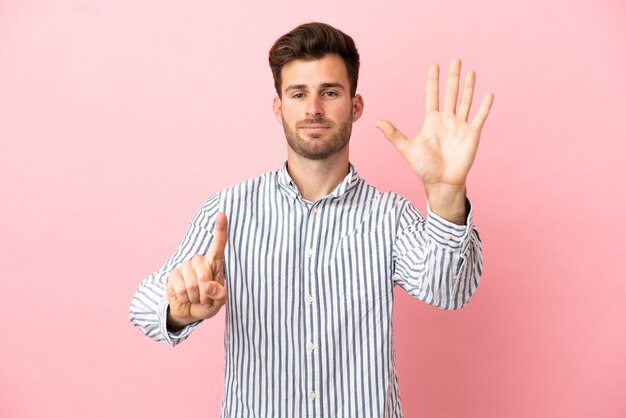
(437, 261)
(148, 307)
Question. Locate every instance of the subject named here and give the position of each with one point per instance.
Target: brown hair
(312, 41)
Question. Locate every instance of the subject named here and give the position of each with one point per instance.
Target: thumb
(216, 291)
(392, 133)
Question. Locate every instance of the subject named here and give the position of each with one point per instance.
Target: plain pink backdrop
(118, 118)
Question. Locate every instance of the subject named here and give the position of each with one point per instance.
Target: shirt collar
(287, 184)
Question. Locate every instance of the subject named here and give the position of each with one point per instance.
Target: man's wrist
(448, 202)
(175, 324)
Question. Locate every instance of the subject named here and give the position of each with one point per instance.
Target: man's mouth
(314, 125)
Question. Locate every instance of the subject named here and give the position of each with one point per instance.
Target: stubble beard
(308, 148)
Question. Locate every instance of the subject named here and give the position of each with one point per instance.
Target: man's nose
(314, 107)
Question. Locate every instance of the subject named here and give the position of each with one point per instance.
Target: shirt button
(447, 237)
(315, 210)
(309, 252)
(310, 346)
(312, 395)
(309, 299)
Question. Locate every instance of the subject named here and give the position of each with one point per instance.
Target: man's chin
(317, 153)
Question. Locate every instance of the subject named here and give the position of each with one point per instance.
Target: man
(305, 258)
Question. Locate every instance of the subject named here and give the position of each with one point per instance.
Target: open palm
(443, 152)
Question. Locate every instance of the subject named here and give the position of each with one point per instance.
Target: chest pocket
(362, 268)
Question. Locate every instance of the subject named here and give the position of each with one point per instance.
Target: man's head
(316, 102)
(312, 41)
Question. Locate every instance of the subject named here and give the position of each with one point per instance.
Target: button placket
(309, 268)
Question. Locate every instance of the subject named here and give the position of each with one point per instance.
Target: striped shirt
(310, 293)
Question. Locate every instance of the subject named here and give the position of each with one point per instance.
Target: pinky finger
(483, 111)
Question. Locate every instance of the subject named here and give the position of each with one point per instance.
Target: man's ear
(357, 107)
(277, 107)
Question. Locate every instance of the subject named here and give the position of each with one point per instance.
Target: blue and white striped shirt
(310, 293)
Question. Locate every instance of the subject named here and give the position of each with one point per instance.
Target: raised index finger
(220, 237)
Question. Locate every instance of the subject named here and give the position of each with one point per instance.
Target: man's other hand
(196, 288)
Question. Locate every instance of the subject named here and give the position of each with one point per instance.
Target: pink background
(118, 118)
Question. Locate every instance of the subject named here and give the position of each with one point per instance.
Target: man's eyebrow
(296, 87)
(332, 85)
(322, 85)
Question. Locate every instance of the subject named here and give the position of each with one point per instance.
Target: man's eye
(298, 96)
(330, 94)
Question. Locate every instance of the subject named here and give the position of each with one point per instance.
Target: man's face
(316, 109)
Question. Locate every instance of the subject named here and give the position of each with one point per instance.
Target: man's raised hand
(196, 288)
(443, 152)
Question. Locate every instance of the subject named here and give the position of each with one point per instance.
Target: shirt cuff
(445, 233)
(172, 338)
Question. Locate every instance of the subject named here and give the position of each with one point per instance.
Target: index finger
(220, 237)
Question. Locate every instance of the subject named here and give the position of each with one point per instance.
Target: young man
(307, 265)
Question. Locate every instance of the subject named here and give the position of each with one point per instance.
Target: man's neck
(317, 178)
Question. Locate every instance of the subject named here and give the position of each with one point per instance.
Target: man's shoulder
(242, 187)
(259, 181)
(263, 186)
(382, 196)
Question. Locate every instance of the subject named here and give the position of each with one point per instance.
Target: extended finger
(392, 134)
(220, 238)
(191, 282)
(483, 111)
(467, 95)
(452, 86)
(432, 89)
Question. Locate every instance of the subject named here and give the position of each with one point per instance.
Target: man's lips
(314, 126)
